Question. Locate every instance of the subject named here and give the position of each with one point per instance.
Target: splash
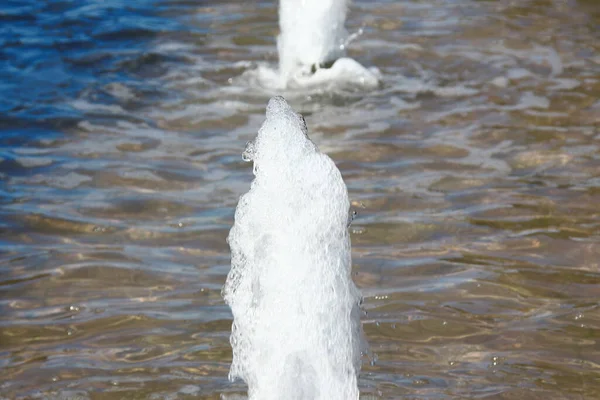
(296, 332)
(312, 49)
(312, 34)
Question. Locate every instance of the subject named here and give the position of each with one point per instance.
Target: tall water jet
(312, 50)
(312, 34)
(296, 330)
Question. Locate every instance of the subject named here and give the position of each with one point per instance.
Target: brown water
(475, 171)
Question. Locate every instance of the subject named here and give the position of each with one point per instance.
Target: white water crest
(312, 46)
(296, 332)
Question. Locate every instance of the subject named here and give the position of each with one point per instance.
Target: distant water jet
(312, 34)
(312, 50)
(312, 40)
(296, 332)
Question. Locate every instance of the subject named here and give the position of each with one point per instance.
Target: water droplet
(444, 323)
(352, 215)
(374, 359)
(69, 332)
(73, 308)
(54, 378)
(180, 224)
(249, 151)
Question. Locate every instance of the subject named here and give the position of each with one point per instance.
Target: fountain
(312, 49)
(312, 34)
(296, 332)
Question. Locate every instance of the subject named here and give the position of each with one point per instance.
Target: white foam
(343, 70)
(296, 331)
(345, 73)
(312, 47)
(311, 32)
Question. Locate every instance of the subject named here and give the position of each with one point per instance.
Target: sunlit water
(474, 167)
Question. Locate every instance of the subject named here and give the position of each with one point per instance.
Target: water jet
(312, 44)
(312, 47)
(296, 330)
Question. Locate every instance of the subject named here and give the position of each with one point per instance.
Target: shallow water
(474, 168)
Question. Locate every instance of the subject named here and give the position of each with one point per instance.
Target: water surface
(474, 168)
